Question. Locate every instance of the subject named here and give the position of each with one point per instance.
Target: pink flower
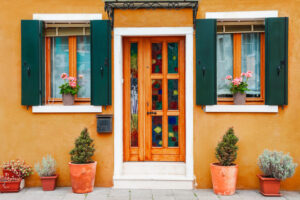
(236, 81)
(243, 74)
(72, 79)
(80, 76)
(249, 74)
(228, 77)
(73, 84)
(64, 76)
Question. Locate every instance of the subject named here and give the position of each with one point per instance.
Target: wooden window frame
(237, 67)
(72, 69)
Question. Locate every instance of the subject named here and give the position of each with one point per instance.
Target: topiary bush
(226, 151)
(47, 167)
(84, 149)
(276, 164)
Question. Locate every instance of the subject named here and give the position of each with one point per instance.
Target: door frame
(188, 33)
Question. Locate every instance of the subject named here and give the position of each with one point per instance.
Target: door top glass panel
(156, 51)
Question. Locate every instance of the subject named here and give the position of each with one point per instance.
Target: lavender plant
(47, 167)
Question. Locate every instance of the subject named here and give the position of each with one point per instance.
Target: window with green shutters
(263, 47)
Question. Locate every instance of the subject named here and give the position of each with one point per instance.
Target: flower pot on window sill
(269, 186)
(239, 98)
(49, 182)
(68, 99)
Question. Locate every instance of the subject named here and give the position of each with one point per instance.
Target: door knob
(151, 113)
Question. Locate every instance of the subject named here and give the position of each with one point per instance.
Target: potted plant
(82, 167)
(239, 86)
(17, 169)
(68, 89)
(275, 166)
(47, 173)
(8, 184)
(224, 173)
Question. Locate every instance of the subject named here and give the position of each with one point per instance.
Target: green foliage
(47, 167)
(276, 164)
(242, 88)
(67, 89)
(84, 149)
(226, 151)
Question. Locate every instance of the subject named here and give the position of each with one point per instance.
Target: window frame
(72, 69)
(237, 65)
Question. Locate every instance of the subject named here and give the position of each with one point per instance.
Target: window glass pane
(156, 94)
(134, 94)
(251, 61)
(156, 57)
(173, 131)
(172, 94)
(84, 66)
(172, 58)
(157, 131)
(224, 63)
(59, 63)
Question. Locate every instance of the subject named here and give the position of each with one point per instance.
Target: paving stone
(205, 194)
(73, 196)
(140, 194)
(291, 195)
(163, 195)
(184, 195)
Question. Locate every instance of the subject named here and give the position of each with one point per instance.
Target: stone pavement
(65, 193)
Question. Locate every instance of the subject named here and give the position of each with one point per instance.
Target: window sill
(242, 108)
(67, 109)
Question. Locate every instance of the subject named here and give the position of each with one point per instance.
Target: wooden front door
(154, 99)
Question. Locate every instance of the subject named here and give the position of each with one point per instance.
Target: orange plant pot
(82, 177)
(224, 178)
(49, 182)
(269, 186)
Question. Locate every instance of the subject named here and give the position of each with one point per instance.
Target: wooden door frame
(118, 33)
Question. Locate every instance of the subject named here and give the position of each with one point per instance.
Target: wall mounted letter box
(104, 123)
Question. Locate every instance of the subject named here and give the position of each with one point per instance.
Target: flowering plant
(69, 86)
(19, 167)
(8, 179)
(239, 84)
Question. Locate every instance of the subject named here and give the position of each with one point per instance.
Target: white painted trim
(241, 15)
(78, 17)
(242, 108)
(118, 90)
(67, 109)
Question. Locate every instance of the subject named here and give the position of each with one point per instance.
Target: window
(71, 55)
(238, 52)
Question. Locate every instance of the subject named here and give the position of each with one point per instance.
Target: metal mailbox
(104, 123)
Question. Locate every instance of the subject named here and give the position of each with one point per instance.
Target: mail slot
(104, 123)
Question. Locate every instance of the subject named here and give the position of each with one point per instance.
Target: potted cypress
(47, 173)
(224, 173)
(82, 166)
(275, 166)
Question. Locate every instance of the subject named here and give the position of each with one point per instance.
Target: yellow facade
(30, 136)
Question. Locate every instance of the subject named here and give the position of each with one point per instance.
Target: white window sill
(67, 109)
(242, 108)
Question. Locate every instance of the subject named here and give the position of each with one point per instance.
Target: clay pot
(83, 177)
(239, 98)
(269, 186)
(224, 178)
(10, 186)
(49, 182)
(68, 99)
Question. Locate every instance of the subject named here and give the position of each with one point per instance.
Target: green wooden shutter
(206, 91)
(101, 62)
(276, 61)
(33, 62)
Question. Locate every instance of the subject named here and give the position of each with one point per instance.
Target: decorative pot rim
(262, 177)
(93, 163)
(218, 165)
(49, 177)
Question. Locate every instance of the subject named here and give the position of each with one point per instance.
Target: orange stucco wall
(30, 136)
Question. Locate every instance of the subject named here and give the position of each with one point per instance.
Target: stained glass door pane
(173, 131)
(134, 94)
(156, 51)
(173, 58)
(157, 131)
(157, 94)
(172, 94)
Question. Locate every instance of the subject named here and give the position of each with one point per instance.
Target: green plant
(239, 84)
(19, 167)
(47, 167)
(226, 151)
(69, 86)
(276, 164)
(84, 149)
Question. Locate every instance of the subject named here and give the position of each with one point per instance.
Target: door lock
(151, 113)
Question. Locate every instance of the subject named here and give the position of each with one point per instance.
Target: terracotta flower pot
(68, 99)
(49, 182)
(10, 186)
(269, 186)
(239, 98)
(83, 177)
(224, 178)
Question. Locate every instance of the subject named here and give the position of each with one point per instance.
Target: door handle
(151, 113)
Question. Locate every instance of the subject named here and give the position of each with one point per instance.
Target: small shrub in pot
(276, 166)
(224, 173)
(47, 172)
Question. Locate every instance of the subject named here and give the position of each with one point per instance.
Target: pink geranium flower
(236, 81)
(249, 74)
(64, 76)
(73, 84)
(228, 77)
(243, 74)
